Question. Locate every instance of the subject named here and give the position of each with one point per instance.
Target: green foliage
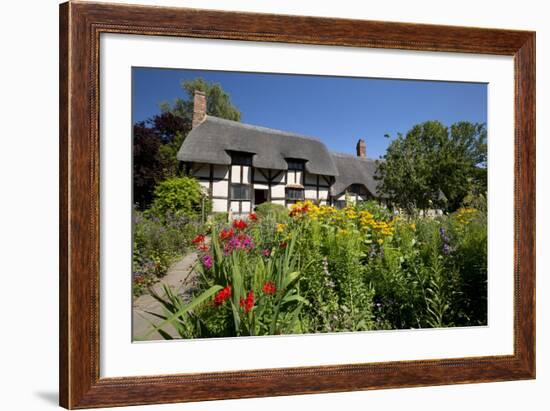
(261, 295)
(276, 211)
(157, 243)
(155, 144)
(318, 269)
(218, 101)
(180, 196)
(434, 166)
(157, 140)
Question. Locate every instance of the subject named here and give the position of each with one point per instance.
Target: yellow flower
(380, 241)
(413, 226)
(281, 227)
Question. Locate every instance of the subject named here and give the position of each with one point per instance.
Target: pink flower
(207, 262)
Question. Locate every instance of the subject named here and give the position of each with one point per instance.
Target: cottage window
(240, 192)
(295, 193)
(297, 165)
(358, 189)
(241, 159)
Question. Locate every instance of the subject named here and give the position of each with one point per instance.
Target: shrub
(157, 243)
(275, 211)
(180, 196)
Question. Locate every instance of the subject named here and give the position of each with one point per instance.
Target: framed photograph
(260, 205)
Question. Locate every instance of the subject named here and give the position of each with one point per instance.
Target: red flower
(283, 245)
(269, 288)
(240, 224)
(252, 217)
(248, 302)
(226, 233)
(198, 239)
(222, 295)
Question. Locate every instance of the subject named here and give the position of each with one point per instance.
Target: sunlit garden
(315, 269)
(396, 242)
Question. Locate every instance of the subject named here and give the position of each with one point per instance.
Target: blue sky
(337, 110)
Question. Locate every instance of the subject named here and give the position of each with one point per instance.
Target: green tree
(158, 139)
(218, 101)
(155, 144)
(435, 166)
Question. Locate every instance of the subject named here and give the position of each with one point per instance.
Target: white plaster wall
(247, 171)
(220, 188)
(323, 193)
(219, 206)
(278, 190)
(235, 174)
(311, 194)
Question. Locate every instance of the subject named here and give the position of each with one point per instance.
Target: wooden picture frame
(80, 27)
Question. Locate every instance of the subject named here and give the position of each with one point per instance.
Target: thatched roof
(213, 140)
(354, 170)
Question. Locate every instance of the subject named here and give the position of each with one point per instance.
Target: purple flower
(239, 242)
(207, 262)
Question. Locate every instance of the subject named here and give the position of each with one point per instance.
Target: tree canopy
(434, 166)
(218, 101)
(158, 139)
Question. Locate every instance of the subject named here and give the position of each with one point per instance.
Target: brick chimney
(361, 148)
(199, 107)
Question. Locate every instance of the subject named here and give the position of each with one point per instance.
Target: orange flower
(226, 234)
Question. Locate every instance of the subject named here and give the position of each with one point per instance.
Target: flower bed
(320, 269)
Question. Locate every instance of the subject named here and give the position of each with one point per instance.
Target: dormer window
(358, 189)
(295, 165)
(239, 158)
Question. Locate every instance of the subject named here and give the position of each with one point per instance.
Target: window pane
(243, 159)
(240, 192)
(294, 193)
(295, 165)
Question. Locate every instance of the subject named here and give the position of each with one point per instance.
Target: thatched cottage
(242, 165)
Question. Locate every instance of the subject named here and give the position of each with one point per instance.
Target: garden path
(181, 278)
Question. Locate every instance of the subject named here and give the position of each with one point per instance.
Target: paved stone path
(181, 278)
